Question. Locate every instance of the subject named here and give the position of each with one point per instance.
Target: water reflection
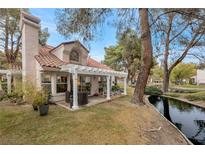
(188, 118)
(166, 109)
(180, 105)
(200, 134)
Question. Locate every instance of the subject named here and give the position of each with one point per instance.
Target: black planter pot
(43, 109)
(35, 107)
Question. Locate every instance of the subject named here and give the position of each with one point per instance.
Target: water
(188, 118)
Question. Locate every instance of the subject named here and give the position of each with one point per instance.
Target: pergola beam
(71, 68)
(78, 69)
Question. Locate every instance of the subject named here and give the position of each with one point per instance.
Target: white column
(75, 91)
(68, 82)
(113, 80)
(125, 86)
(53, 84)
(108, 87)
(8, 76)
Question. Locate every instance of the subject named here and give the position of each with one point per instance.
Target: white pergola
(8, 74)
(78, 69)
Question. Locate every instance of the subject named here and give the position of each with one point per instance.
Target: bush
(41, 97)
(115, 88)
(16, 96)
(199, 96)
(184, 90)
(152, 91)
(4, 86)
(172, 94)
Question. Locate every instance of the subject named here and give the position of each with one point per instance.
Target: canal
(188, 118)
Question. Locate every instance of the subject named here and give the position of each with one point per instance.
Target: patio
(92, 100)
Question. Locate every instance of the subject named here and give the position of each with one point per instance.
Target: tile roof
(93, 63)
(45, 49)
(49, 61)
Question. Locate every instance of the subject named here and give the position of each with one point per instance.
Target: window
(74, 55)
(46, 82)
(61, 84)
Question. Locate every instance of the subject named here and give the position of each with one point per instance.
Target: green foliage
(41, 97)
(115, 88)
(16, 96)
(199, 96)
(43, 36)
(82, 22)
(182, 106)
(4, 86)
(10, 33)
(152, 91)
(3, 62)
(114, 57)
(172, 94)
(126, 54)
(184, 90)
(156, 72)
(31, 93)
(183, 71)
(10, 36)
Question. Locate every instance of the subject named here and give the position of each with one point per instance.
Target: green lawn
(189, 86)
(22, 125)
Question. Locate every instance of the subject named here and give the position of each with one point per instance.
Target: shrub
(199, 96)
(4, 86)
(16, 96)
(172, 94)
(115, 88)
(152, 91)
(41, 97)
(185, 90)
(29, 92)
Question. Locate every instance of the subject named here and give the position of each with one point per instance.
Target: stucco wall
(200, 78)
(63, 52)
(30, 48)
(59, 52)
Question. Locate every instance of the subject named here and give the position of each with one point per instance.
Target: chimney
(30, 46)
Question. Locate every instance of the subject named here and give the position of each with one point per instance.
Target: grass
(190, 86)
(24, 126)
(116, 122)
(173, 94)
(199, 96)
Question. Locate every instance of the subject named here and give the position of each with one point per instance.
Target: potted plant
(41, 100)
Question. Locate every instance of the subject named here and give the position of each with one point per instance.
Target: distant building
(199, 78)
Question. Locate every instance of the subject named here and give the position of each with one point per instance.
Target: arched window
(74, 55)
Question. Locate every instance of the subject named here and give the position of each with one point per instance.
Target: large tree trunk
(146, 57)
(166, 72)
(166, 55)
(166, 81)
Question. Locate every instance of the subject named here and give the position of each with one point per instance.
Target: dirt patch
(144, 122)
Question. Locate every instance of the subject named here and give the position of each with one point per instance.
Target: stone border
(187, 140)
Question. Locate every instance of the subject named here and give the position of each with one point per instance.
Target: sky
(106, 38)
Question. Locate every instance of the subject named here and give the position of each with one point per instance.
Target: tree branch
(179, 33)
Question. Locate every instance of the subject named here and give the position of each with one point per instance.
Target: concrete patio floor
(92, 100)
